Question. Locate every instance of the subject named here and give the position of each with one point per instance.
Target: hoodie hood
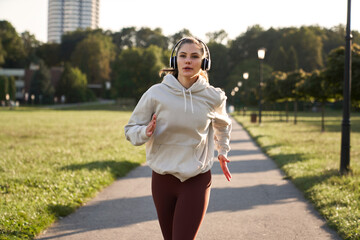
(178, 89)
(173, 83)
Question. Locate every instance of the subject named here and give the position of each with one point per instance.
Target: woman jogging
(181, 120)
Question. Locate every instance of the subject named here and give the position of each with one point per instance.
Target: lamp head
(245, 75)
(261, 53)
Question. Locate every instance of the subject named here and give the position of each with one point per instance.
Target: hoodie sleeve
(222, 128)
(135, 130)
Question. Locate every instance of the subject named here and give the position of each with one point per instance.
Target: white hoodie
(188, 123)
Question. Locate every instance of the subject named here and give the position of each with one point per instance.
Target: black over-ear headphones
(206, 62)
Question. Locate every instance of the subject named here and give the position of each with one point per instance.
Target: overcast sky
(199, 16)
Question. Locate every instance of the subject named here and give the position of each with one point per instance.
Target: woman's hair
(174, 71)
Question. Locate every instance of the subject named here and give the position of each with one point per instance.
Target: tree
(152, 63)
(272, 90)
(308, 47)
(295, 80)
(2, 53)
(288, 49)
(135, 70)
(93, 56)
(246, 45)
(332, 38)
(249, 91)
(173, 39)
(292, 60)
(50, 53)
(334, 72)
(72, 84)
(217, 37)
(146, 37)
(280, 59)
(318, 89)
(219, 64)
(12, 46)
(70, 40)
(127, 69)
(126, 38)
(4, 87)
(290, 90)
(12, 88)
(41, 86)
(355, 85)
(30, 44)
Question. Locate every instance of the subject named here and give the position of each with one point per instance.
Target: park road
(257, 204)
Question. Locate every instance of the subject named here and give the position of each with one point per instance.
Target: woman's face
(189, 60)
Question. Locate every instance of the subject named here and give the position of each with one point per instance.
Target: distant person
(63, 99)
(181, 120)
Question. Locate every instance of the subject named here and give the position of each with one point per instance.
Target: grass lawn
(53, 161)
(311, 159)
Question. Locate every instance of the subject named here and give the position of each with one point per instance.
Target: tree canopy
(12, 49)
(131, 58)
(93, 56)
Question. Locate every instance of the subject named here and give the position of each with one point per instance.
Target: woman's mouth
(187, 68)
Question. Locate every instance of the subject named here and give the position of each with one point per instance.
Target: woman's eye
(182, 55)
(195, 56)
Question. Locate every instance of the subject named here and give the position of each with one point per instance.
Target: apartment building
(69, 15)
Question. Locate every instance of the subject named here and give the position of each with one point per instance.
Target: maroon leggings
(180, 206)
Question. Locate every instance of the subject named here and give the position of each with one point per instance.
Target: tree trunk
(295, 111)
(322, 116)
(287, 111)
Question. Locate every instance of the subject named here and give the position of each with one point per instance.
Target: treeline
(129, 60)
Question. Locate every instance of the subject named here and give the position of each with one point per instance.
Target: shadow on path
(118, 168)
(267, 188)
(124, 211)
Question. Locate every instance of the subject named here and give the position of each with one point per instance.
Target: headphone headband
(206, 63)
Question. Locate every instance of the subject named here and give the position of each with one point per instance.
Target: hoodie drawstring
(191, 101)
(184, 99)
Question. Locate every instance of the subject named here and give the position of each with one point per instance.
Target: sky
(199, 16)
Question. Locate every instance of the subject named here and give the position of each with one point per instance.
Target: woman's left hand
(223, 164)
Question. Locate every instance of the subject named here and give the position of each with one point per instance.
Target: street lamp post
(246, 77)
(345, 128)
(261, 56)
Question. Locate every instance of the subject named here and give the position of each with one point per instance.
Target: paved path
(257, 204)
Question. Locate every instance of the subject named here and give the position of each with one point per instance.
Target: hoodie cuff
(143, 134)
(223, 152)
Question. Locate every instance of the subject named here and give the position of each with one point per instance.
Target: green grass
(311, 159)
(53, 161)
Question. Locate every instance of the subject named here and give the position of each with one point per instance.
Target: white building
(69, 15)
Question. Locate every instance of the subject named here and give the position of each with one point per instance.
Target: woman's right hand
(151, 126)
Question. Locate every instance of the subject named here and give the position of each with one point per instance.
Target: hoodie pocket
(202, 152)
(176, 159)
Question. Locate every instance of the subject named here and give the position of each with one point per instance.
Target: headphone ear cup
(205, 64)
(173, 63)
